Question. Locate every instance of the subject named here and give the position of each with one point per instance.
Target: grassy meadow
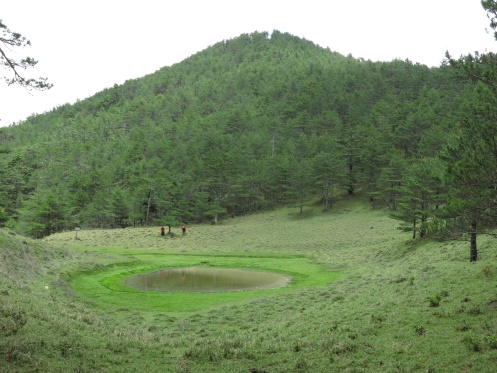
(364, 297)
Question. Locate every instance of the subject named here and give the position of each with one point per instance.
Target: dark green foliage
(472, 154)
(3, 217)
(472, 167)
(245, 125)
(421, 194)
(42, 215)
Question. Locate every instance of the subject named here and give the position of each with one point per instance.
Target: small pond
(197, 279)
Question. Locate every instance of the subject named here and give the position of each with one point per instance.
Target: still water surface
(195, 279)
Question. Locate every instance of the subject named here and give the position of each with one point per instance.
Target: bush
(435, 301)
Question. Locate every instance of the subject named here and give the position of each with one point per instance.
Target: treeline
(247, 124)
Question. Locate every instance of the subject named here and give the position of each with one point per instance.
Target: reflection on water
(206, 280)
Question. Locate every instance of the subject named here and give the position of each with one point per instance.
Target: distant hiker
(162, 231)
(171, 234)
(183, 228)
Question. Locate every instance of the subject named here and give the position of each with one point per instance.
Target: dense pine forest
(256, 122)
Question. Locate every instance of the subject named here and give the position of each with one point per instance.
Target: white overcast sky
(86, 46)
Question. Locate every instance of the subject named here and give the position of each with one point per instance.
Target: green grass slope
(364, 298)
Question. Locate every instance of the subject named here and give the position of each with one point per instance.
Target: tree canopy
(472, 154)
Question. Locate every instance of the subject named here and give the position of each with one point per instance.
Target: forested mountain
(249, 123)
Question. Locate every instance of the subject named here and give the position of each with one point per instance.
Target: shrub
(435, 301)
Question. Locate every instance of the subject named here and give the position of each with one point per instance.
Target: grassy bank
(365, 298)
(107, 291)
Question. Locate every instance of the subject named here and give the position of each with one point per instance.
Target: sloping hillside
(404, 305)
(247, 124)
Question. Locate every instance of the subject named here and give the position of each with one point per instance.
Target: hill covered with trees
(258, 121)
(248, 127)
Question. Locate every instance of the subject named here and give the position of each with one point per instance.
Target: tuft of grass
(419, 330)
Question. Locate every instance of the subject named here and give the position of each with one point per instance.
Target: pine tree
(421, 194)
(472, 158)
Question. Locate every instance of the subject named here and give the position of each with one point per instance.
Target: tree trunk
(473, 252)
(149, 202)
(273, 140)
(325, 197)
(350, 189)
(393, 197)
(424, 218)
(325, 203)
